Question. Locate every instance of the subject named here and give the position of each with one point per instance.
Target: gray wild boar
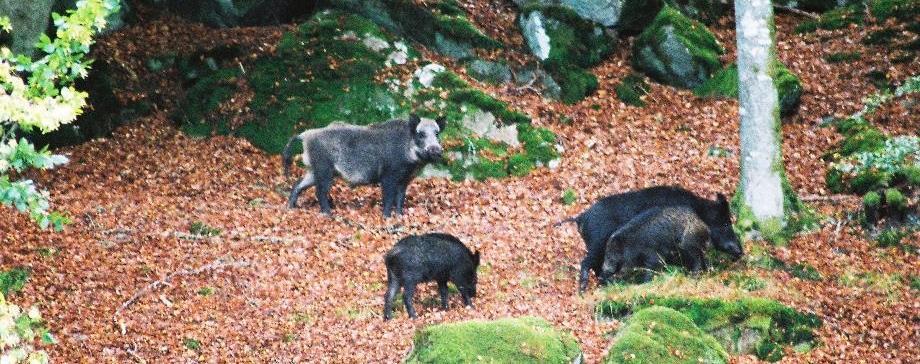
(671, 235)
(389, 154)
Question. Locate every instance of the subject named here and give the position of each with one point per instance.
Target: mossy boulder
(566, 45)
(442, 24)
(328, 70)
(660, 335)
(29, 20)
(676, 50)
(489, 71)
(629, 16)
(509, 340)
(748, 325)
(725, 84)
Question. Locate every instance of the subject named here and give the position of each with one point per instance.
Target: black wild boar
(430, 257)
(610, 213)
(657, 236)
(389, 153)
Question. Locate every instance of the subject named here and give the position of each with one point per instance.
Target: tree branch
(215, 265)
(797, 12)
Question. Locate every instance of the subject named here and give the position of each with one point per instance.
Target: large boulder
(566, 44)
(29, 20)
(442, 25)
(749, 325)
(725, 84)
(629, 16)
(510, 340)
(676, 50)
(660, 335)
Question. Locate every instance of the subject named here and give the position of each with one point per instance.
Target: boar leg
(651, 263)
(323, 186)
(401, 197)
(390, 190)
(442, 290)
(695, 258)
(301, 185)
(408, 294)
(392, 289)
(467, 300)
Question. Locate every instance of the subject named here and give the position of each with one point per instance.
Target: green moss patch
(632, 90)
(746, 325)
(882, 168)
(510, 340)
(843, 57)
(13, 280)
(725, 84)
(663, 335)
(898, 9)
(834, 19)
(676, 50)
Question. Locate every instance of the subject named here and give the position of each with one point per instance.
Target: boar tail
(571, 219)
(287, 156)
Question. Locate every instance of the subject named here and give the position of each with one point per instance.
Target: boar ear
(414, 120)
(442, 123)
(476, 258)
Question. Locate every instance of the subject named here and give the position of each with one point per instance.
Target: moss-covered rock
(725, 84)
(29, 20)
(627, 16)
(676, 50)
(748, 325)
(328, 70)
(489, 71)
(442, 25)
(660, 335)
(566, 44)
(510, 340)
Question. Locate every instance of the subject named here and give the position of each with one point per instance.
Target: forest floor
(304, 287)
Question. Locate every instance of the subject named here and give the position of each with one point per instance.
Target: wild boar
(430, 257)
(389, 154)
(657, 236)
(597, 223)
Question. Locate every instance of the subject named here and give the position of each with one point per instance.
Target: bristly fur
(389, 153)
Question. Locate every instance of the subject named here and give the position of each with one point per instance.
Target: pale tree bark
(761, 161)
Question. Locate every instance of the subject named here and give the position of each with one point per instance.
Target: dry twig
(215, 265)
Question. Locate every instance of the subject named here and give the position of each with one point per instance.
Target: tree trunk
(761, 162)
